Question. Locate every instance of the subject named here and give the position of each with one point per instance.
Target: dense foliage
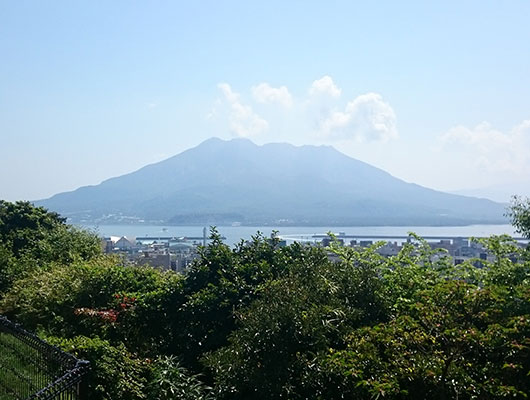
(260, 321)
(519, 213)
(32, 238)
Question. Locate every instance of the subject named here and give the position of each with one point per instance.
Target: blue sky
(436, 94)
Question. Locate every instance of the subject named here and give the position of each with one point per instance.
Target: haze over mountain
(500, 193)
(220, 182)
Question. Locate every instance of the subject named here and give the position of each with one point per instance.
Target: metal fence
(32, 369)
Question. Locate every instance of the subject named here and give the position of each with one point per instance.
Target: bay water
(234, 234)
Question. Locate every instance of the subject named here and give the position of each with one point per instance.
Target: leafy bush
(32, 237)
(172, 381)
(117, 303)
(115, 373)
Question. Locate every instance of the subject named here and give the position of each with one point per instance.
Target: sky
(435, 93)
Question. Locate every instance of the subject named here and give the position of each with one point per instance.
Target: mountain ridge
(220, 182)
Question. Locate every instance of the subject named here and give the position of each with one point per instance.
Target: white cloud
(492, 150)
(265, 93)
(324, 85)
(366, 118)
(243, 120)
(229, 94)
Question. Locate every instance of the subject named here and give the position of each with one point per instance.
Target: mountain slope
(500, 193)
(224, 181)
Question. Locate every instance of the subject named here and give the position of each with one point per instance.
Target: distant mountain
(221, 182)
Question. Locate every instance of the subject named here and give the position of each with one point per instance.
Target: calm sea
(234, 234)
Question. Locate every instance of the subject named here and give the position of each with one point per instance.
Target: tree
(33, 237)
(412, 326)
(456, 340)
(519, 213)
(221, 281)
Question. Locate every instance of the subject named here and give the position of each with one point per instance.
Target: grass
(22, 369)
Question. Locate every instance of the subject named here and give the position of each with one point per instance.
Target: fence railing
(32, 369)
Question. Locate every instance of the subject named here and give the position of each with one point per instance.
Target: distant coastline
(257, 225)
(235, 234)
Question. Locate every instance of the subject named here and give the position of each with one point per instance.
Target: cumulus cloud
(490, 149)
(366, 118)
(325, 85)
(229, 94)
(265, 93)
(315, 117)
(243, 120)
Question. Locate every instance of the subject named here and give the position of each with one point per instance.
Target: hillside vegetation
(259, 321)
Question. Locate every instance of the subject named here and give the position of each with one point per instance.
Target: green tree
(519, 213)
(412, 326)
(456, 340)
(32, 237)
(220, 282)
(298, 315)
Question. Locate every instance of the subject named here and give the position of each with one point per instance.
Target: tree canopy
(519, 213)
(33, 237)
(263, 321)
